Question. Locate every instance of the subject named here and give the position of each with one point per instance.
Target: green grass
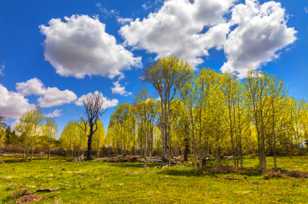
(99, 182)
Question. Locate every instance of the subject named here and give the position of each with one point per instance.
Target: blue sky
(22, 48)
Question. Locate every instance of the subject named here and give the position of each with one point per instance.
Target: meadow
(61, 181)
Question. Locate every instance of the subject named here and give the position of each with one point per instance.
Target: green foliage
(73, 138)
(210, 115)
(99, 137)
(30, 130)
(122, 129)
(167, 76)
(2, 132)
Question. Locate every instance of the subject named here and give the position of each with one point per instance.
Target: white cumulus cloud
(107, 103)
(13, 105)
(48, 96)
(260, 32)
(79, 46)
(55, 97)
(250, 34)
(33, 86)
(184, 28)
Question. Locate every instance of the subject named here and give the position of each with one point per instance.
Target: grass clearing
(59, 181)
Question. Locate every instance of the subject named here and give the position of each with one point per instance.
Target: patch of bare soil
(24, 196)
(29, 198)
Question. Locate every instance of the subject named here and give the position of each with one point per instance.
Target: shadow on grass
(128, 165)
(134, 164)
(182, 172)
(229, 170)
(232, 170)
(212, 171)
(9, 160)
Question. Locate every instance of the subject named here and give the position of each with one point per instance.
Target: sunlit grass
(99, 182)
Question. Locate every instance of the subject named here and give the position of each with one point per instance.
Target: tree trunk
(25, 154)
(262, 153)
(31, 156)
(89, 151)
(186, 149)
(274, 134)
(165, 156)
(275, 160)
(274, 152)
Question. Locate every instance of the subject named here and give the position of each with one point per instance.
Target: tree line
(202, 116)
(210, 116)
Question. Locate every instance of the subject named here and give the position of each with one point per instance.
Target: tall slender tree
(257, 91)
(167, 75)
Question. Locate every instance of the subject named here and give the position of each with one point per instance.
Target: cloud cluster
(55, 97)
(107, 103)
(13, 104)
(260, 32)
(187, 29)
(33, 86)
(79, 46)
(48, 96)
(251, 34)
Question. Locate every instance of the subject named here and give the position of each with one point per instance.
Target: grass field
(59, 181)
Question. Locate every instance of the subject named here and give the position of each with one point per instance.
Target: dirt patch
(29, 198)
(24, 196)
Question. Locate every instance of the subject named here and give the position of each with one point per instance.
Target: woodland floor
(60, 181)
